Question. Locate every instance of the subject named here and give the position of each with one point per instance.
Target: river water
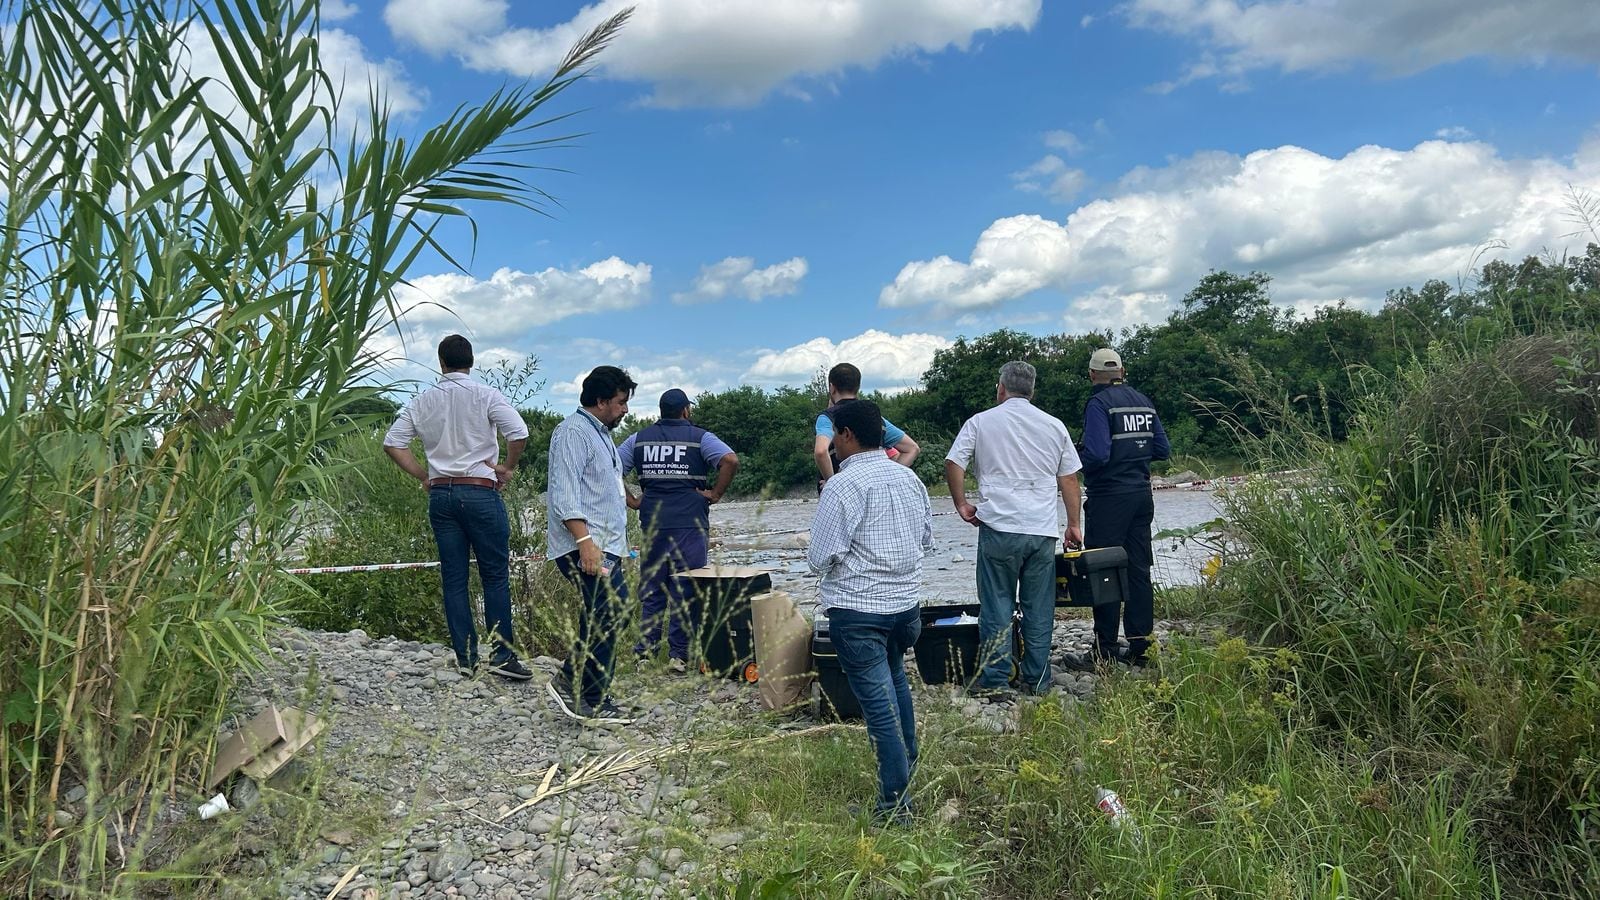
(772, 534)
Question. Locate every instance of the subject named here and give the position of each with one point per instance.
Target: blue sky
(765, 189)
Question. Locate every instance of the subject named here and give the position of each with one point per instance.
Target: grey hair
(1017, 378)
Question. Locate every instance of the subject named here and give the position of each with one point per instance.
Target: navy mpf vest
(1132, 419)
(671, 467)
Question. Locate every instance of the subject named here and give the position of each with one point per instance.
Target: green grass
(1231, 787)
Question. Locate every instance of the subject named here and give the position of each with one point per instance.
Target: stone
(76, 794)
(513, 840)
(64, 818)
(723, 840)
(449, 861)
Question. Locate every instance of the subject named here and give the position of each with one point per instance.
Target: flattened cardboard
(265, 743)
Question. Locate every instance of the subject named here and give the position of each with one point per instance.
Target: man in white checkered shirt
(873, 526)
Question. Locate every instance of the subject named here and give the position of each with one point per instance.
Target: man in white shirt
(457, 420)
(872, 527)
(1023, 458)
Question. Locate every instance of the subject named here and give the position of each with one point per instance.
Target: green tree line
(1219, 367)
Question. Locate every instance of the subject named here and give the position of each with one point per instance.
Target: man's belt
(469, 482)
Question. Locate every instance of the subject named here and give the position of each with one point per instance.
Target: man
(844, 383)
(673, 458)
(872, 527)
(1023, 457)
(587, 538)
(457, 420)
(1121, 435)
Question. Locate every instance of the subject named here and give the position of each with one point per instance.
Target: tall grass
(191, 269)
(1229, 791)
(1437, 574)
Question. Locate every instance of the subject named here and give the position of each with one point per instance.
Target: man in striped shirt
(872, 528)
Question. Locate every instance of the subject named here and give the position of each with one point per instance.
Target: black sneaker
(1003, 694)
(1087, 662)
(1128, 658)
(511, 669)
(607, 713)
(566, 701)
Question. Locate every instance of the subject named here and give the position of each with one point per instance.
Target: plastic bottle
(1109, 803)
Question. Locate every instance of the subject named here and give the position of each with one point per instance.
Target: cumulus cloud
(1052, 177)
(1454, 133)
(338, 10)
(737, 276)
(508, 304)
(653, 370)
(887, 361)
(731, 52)
(353, 73)
(1399, 38)
(1326, 228)
(1065, 141)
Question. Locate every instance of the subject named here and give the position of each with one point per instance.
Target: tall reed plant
(197, 246)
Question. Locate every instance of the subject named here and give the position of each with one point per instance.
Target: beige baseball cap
(1105, 360)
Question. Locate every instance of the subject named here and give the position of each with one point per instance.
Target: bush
(1437, 575)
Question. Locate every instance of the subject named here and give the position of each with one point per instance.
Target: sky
(764, 188)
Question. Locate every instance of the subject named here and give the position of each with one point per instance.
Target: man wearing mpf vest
(1121, 435)
(674, 459)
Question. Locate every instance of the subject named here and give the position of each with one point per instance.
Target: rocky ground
(420, 767)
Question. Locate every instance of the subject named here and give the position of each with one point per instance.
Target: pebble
(450, 859)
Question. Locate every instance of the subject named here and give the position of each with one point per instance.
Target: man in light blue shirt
(844, 384)
(587, 537)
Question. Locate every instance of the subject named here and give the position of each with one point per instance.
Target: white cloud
(352, 72)
(1052, 177)
(338, 10)
(1065, 141)
(731, 52)
(655, 372)
(510, 303)
(1326, 228)
(1453, 133)
(737, 276)
(1399, 38)
(887, 361)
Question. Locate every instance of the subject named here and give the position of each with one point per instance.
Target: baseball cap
(1105, 360)
(674, 401)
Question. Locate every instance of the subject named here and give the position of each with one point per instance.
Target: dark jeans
(1123, 520)
(872, 650)
(1015, 571)
(663, 594)
(589, 666)
(473, 518)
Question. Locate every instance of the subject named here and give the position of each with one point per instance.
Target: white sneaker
(677, 666)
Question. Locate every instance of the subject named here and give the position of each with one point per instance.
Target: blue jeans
(467, 518)
(663, 594)
(1015, 571)
(872, 649)
(589, 666)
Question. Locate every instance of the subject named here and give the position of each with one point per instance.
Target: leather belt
(470, 482)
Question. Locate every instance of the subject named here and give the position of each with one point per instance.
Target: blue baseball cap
(673, 402)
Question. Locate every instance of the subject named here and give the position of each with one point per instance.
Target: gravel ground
(441, 759)
(437, 761)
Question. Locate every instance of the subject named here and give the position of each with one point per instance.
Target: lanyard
(605, 436)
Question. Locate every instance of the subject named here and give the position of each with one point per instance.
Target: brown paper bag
(783, 650)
